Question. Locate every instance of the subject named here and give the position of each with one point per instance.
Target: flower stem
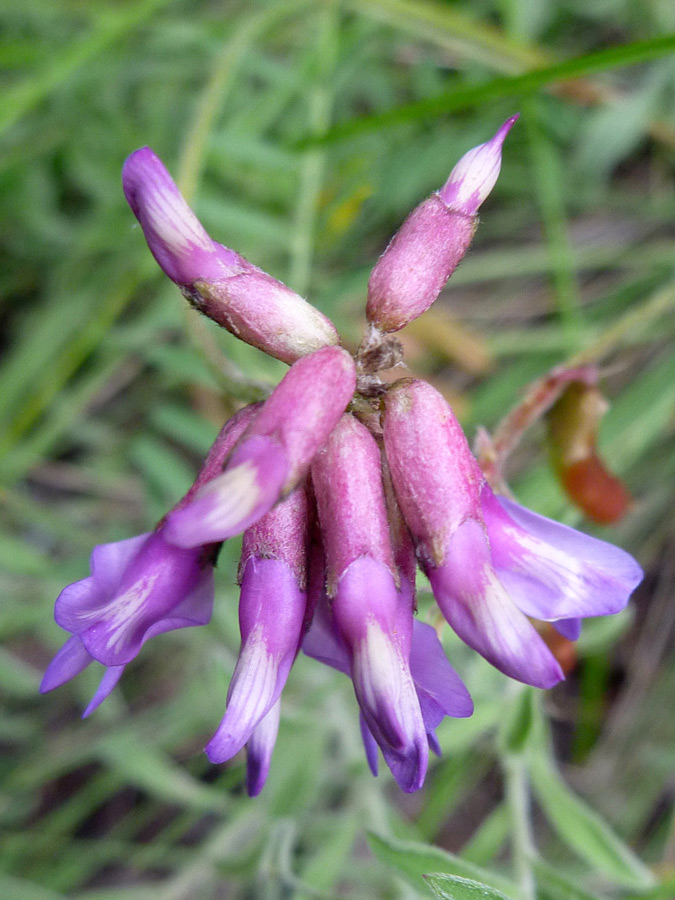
(522, 842)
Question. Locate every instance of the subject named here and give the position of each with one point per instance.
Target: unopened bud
(474, 176)
(432, 241)
(218, 282)
(274, 453)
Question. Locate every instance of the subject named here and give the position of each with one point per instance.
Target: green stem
(522, 842)
(473, 95)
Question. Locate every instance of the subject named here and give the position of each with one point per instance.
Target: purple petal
(323, 643)
(271, 618)
(158, 579)
(254, 690)
(568, 628)
(259, 750)
(109, 561)
(409, 766)
(434, 676)
(196, 609)
(108, 682)
(434, 746)
(478, 608)
(71, 659)
(369, 745)
(77, 603)
(175, 236)
(476, 173)
(249, 487)
(552, 571)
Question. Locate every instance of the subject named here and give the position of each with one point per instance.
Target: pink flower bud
(373, 620)
(432, 241)
(490, 562)
(251, 304)
(274, 453)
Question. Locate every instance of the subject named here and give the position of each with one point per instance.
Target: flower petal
(77, 603)
(476, 173)
(478, 608)
(253, 692)
(434, 676)
(109, 561)
(434, 746)
(568, 628)
(108, 682)
(369, 745)
(259, 750)
(196, 609)
(249, 487)
(323, 643)
(552, 571)
(71, 659)
(158, 579)
(175, 236)
(409, 765)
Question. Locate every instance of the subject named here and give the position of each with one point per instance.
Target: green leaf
(12, 888)
(558, 886)
(147, 767)
(451, 887)
(518, 721)
(583, 830)
(416, 860)
(664, 891)
(500, 88)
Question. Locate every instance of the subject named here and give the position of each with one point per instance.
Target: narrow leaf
(584, 831)
(500, 88)
(416, 860)
(451, 887)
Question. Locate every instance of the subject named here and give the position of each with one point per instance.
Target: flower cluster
(341, 485)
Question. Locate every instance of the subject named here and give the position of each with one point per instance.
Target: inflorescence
(341, 484)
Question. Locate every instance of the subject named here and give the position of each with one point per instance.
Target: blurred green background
(303, 133)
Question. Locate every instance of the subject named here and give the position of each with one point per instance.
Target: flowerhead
(341, 485)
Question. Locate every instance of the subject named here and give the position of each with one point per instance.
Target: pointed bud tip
(175, 236)
(476, 173)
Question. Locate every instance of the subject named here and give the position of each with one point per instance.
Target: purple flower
(272, 611)
(372, 618)
(440, 690)
(138, 588)
(248, 302)
(274, 453)
(432, 241)
(490, 562)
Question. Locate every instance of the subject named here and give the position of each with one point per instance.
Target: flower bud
(373, 620)
(430, 244)
(271, 619)
(492, 563)
(251, 304)
(274, 453)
